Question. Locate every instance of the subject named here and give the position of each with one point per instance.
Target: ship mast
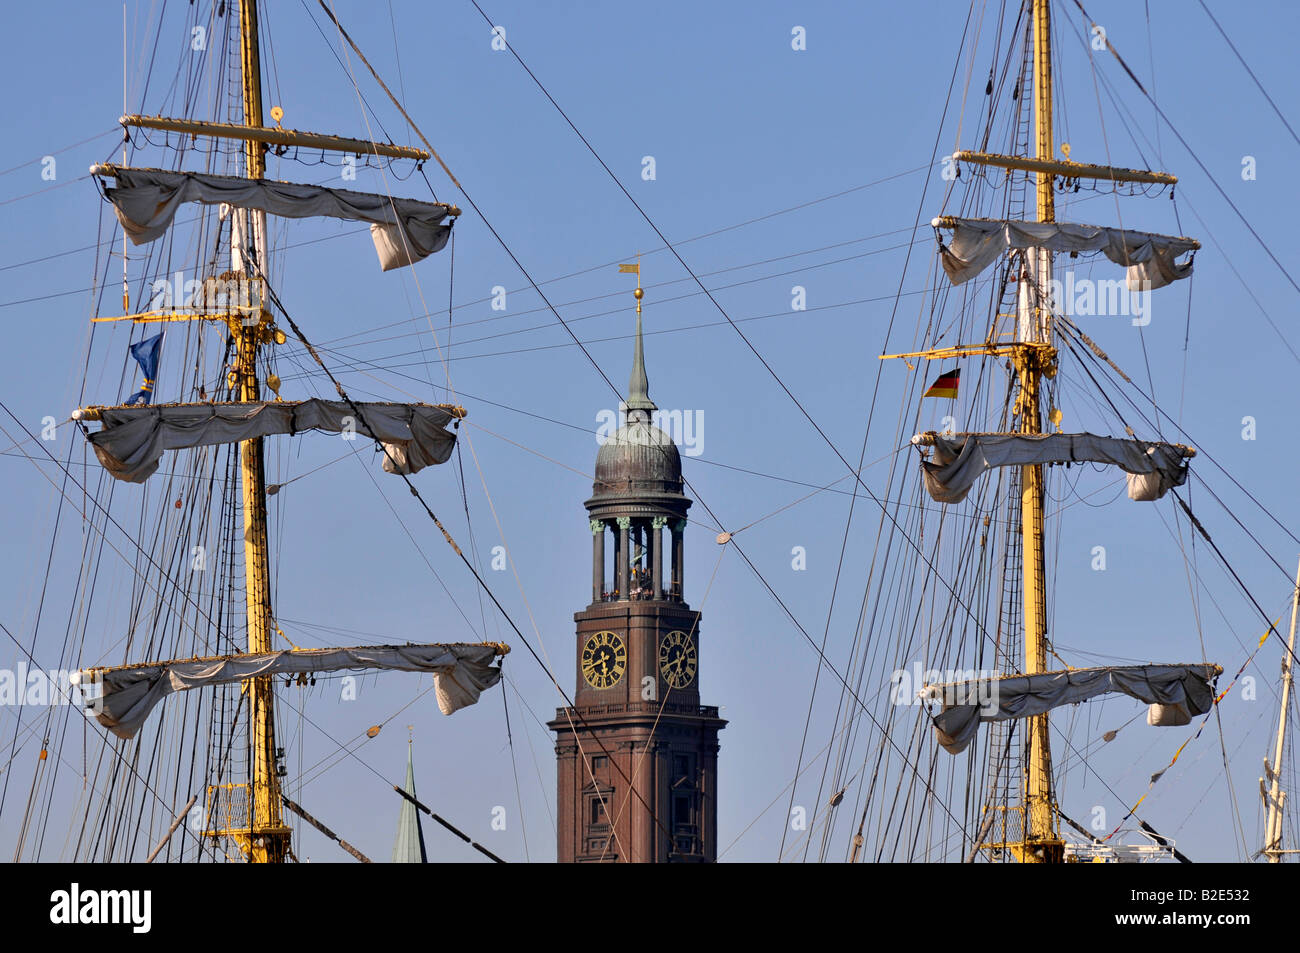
(1035, 836)
(267, 837)
(1276, 797)
(1042, 842)
(248, 814)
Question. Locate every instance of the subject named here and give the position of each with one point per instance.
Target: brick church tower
(637, 756)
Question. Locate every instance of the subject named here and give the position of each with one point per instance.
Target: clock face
(604, 659)
(678, 659)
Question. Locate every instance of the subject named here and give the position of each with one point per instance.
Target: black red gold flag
(946, 385)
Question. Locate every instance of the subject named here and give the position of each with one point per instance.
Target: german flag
(946, 385)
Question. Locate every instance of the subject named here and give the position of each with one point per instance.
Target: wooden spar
(276, 137)
(171, 830)
(951, 221)
(451, 827)
(1061, 167)
(324, 830)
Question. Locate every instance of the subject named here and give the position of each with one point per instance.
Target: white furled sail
(961, 459)
(1151, 260)
(1187, 689)
(133, 439)
(122, 698)
(403, 230)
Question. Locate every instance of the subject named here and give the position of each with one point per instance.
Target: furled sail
(960, 459)
(122, 698)
(133, 439)
(403, 230)
(1187, 688)
(1151, 260)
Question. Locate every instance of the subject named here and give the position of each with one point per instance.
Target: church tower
(637, 755)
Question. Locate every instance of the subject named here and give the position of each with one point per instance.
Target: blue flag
(146, 355)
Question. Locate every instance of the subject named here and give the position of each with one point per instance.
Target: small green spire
(638, 396)
(409, 846)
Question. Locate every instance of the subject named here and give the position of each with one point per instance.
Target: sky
(737, 125)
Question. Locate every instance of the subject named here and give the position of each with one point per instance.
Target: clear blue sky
(739, 125)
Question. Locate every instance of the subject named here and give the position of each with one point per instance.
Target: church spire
(638, 390)
(409, 846)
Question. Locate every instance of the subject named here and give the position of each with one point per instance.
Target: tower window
(597, 813)
(599, 762)
(682, 813)
(681, 768)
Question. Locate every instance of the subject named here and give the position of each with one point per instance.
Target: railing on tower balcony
(642, 589)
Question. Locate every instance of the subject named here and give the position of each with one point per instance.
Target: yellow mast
(1042, 842)
(267, 838)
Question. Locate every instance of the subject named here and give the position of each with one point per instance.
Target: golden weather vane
(634, 269)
